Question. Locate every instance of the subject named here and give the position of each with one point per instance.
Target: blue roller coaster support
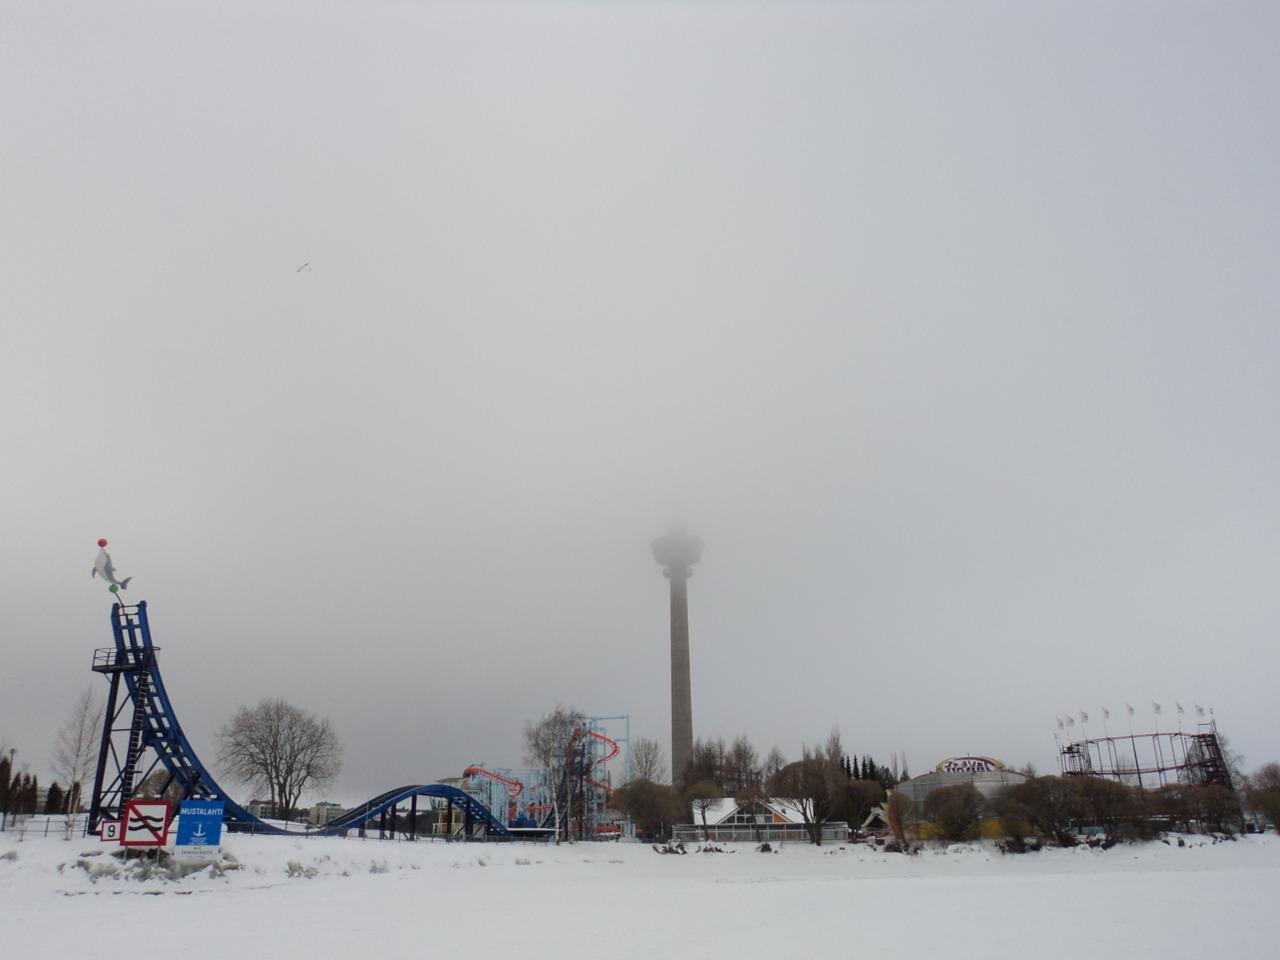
(141, 733)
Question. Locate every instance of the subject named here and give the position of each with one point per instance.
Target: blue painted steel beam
(162, 733)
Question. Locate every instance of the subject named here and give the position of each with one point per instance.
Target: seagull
(305, 268)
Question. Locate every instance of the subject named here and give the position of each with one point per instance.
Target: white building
(324, 811)
(754, 821)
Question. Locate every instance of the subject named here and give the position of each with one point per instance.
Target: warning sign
(146, 823)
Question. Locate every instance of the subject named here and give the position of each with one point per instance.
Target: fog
(951, 328)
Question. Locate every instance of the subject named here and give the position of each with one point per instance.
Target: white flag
(1070, 720)
(1084, 717)
(1129, 707)
(1155, 708)
(1106, 714)
(1179, 706)
(1199, 710)
(1059, 719)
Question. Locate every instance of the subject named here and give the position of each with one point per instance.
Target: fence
(834, 831)
(51, 825)
(43, 825)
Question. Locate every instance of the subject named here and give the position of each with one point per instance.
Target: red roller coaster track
(514, 787)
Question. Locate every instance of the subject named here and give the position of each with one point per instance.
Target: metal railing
(43, 825)
(108, 659)
(832, 832)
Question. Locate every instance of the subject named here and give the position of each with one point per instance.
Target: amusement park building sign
(970, 765)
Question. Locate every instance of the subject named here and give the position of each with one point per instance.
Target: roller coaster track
(514, 787)
(135, 743)
(609, 742)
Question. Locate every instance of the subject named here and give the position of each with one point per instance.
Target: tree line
(827, 783)
(1053, 809)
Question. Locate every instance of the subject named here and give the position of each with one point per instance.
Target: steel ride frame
(583, 794)
(1195, 759)
(141, 733)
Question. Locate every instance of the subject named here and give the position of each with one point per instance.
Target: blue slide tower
(141, 734)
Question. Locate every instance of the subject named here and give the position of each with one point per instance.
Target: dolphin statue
(103, 567)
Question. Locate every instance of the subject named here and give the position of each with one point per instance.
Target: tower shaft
(681, 695)
(677, 552)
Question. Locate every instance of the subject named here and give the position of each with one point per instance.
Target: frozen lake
(346, 897)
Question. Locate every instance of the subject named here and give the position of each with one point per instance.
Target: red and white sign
(109, 831)
(146, 823)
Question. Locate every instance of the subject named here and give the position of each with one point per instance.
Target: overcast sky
(951, 327)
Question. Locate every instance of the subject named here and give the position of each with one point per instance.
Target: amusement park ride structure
(1151, 760)
(141, 734)
(583, 795)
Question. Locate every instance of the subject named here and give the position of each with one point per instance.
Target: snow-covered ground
(317, 898)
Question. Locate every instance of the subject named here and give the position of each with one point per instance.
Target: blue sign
(200, 823)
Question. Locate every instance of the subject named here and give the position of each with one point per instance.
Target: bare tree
(1263, 793)
(76, 748)
(742, 766)
(652, 807)
(647, 761)
(955, 810)
(774, 762)
(860, 797)
(899, 810)
(811, 787)
(549, 746)
(280, 748)
(706, 762)
(834, 749)
(703, 796)
(1047, 804)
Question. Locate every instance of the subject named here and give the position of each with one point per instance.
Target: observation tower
(677, 552)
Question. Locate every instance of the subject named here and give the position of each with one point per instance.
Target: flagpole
(1133, 743)
(1155, 718)
(1111, 747)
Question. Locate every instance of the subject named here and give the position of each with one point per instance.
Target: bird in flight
(305, 268)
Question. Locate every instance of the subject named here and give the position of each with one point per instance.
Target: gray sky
(951, 327)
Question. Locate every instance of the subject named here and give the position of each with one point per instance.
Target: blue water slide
(156, 727)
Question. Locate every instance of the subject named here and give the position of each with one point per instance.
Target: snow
(330, 897)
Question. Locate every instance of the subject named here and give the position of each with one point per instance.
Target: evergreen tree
(4, 783)
(54, 802)
(29, 804)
